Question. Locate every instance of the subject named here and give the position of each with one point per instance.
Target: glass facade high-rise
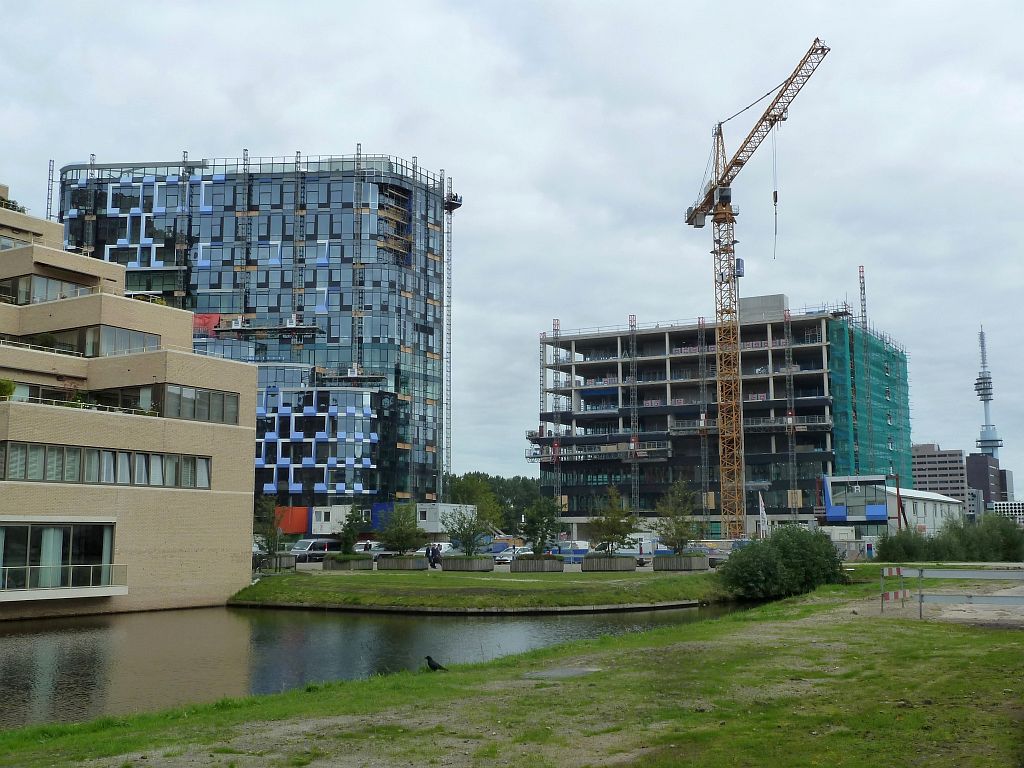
(326, 271)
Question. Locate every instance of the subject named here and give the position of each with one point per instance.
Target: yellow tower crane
(717, 203)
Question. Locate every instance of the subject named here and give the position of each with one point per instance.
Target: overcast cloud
(578, 133)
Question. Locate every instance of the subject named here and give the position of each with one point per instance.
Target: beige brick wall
(182, 547)
(25, 227)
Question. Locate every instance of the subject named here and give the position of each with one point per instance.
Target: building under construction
(332, 273)
(823, 393)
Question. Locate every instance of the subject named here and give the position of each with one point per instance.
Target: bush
(541, 556)
(341, 557)
(791, 562)
(994, 539)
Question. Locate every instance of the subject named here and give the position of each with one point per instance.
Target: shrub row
(993, 539)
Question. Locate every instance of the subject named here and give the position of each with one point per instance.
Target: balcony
(62, 582)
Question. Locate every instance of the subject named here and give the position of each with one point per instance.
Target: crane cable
(775, 192)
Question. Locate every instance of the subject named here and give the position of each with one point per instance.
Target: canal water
(63, 670)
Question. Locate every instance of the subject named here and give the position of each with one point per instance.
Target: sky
(578, 132)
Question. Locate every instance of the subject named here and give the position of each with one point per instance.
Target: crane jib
(774, 113)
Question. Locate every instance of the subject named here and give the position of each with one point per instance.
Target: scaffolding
(49, 194)
(792, 493)
(868, 382)
(705, 459)
(452, 203)
(634, 421)
(556, 404)
(243, 256)
(299, 239)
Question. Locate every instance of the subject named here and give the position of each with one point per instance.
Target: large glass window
(201, 404)
(52, 555)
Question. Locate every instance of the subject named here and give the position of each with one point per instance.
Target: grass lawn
(820, 680)
(453, 589)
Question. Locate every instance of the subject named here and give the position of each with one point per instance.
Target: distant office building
(975, 506)
(614, 399)
(328, 272)
(983, 474)
(1012, 509)
(124, 459)
(940, 471)
(1005, 485)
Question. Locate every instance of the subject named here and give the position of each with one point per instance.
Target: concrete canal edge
(525, 611)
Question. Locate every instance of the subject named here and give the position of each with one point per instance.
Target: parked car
(374, 548)
(314, 550)
(510, 554)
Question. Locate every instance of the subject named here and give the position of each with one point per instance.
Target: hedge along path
(802, 682)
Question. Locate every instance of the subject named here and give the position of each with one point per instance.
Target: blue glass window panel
(269, 488)
(320, 487)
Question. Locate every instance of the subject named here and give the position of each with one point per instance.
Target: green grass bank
(817, 680)
(453, 590)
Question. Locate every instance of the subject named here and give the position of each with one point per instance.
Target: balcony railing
(31, 577)
(77, 405)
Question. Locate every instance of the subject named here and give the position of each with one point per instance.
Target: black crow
(434, 666)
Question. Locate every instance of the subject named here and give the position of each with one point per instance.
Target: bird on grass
(434, 666)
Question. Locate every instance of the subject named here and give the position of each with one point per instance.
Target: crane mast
(717, 203)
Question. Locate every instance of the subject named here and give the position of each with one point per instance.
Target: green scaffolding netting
(870, 401)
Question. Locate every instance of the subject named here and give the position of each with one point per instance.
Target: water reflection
(61, 670)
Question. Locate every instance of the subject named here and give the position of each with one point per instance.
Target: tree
(351, 529)
(474, 489)
(675, 525)
(400, 531)
(614, 523)
(6, 389)
(511, 496)
(541, 523)
(466, 526)
(267, 521)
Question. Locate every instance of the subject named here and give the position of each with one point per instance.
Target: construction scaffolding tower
(452, 203)
(299, 239)
(705, 407)
(873, 467)
(793, 492)
(49, 194)
(556, 405)
(243, 216)
(358, 270)
(634, 422)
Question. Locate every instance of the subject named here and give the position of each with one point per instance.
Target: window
(54, 463)
(170, 470)
(142, 469)
(16, 454)
(72, 465)
(188, 472)
(230, 408)
(35, 462)
(156, 469)
(202, 472)
(107, 466)
(92, 465)
(124, 468)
